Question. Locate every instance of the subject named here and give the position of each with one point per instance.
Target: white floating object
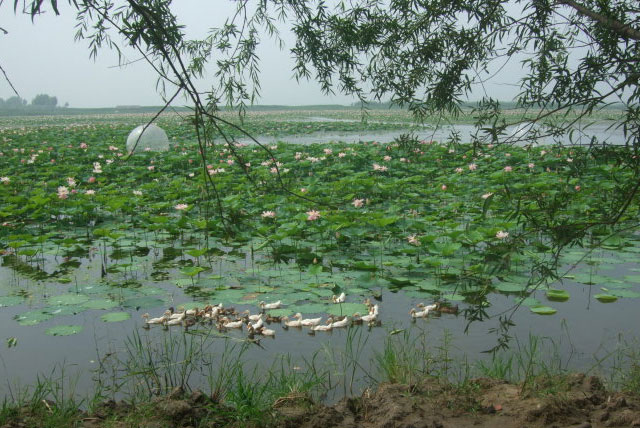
(154, 139)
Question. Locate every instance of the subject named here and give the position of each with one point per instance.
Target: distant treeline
(48, 105)
(42, 103)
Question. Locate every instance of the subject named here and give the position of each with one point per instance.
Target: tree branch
(622, 29)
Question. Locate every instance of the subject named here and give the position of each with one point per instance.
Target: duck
(254, 317)
(227, 323)
(310, 322)
(428, 307)
(267, 332)
(258, 324)
(274, 305)
(293, 323)
(175, 320)
(322, 327)
(273, 318)
(337, 324)
(158, 320)
(447, 309)
(371, 317)
(419, 314)
(374, 309)
(192, 312)
(339, 299)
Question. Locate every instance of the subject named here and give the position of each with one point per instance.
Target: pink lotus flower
(486, 195)
(531, 165)
(298, 156)
(341, 154)
(502, 235)
(444, 187)
(473, 167)
(569, 160)
(71, 182)
(328, 151)
(151, 167)
(230, 161)
(83, 145)
(413, 240)
(543, 152)
(508, 169)
(313, 215)
(358, 203)
(387, 158)
(508, 155)
(459, 170)
(90, 192)
(5, 180)
(63, 192)
(577, 188)
(181, 207)
(303, 190)
(268, 214)
(137, 192)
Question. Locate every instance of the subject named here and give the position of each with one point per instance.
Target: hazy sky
(44, 58)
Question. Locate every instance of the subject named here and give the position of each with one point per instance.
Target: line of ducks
(229, 318)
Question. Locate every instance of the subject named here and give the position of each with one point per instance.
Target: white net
(154, 138)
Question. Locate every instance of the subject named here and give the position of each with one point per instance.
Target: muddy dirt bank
(575, 401)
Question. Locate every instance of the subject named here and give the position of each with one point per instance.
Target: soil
(582, 403)
(576, 401)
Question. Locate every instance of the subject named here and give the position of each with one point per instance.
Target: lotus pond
(91, 238)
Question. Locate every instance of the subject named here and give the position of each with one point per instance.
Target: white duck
(337, 324)
(371, 317)
(428, 307)
(297, 322)
(309, 322)
(419, 314)
(258, 324)
(340, 299)
(254, 317)
(227, 323)
(175, 320)
(158, 320)
(267, 332)
(274, 305)
(323, 327)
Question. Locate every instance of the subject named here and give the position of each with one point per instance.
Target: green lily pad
(347, 309)
(32, 317)
(142, 302)
(100, 304)
(529, 301)
(64, 310)
(311, 308)
(115, 316)
(629, 294)
(543, 310)
(509, 287)
(63, 330)
(281, 312)
(606, 298)
(557, 295)
(453, 296)
(10, 301)
(68, 299)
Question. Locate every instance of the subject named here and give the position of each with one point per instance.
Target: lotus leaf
(63, 330)
(542, 310)
(115, 316)
(68, 299)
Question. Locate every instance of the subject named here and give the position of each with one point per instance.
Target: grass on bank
(157, 380)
